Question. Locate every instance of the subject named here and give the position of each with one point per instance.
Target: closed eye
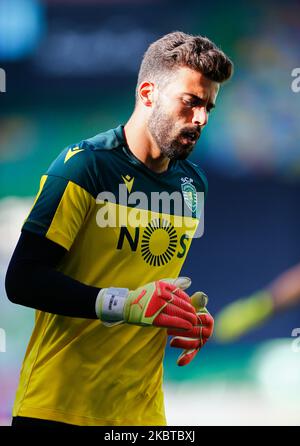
(189, 103)
(193, 103)
(197, 102)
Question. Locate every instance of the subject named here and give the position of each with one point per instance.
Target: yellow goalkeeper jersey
(112, 215)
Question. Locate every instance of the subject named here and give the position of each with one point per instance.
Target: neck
(142, 144)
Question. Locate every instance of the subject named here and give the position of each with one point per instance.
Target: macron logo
(72, 152)
(128, 180)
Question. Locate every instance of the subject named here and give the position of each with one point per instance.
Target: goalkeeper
(82, 258)
(243, 315)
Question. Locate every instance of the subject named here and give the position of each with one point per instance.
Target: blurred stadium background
(71, 68)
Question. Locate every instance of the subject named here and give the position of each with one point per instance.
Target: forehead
(190, 81)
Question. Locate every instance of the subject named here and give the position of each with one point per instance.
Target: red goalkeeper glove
(194, 339)
(162, 304)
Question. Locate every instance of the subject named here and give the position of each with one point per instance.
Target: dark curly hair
(178, 49)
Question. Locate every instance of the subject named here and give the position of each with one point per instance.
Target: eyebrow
(200, 100)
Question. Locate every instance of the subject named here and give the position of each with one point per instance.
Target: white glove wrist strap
(112, 304)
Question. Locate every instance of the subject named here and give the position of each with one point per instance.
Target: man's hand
(237, 318)
(162, 304)
(193, 340)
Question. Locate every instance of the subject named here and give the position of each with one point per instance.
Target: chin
(180, 155)
(184, 154)
(177, 152)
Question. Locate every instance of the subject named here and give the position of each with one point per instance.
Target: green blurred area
(33, 135)
(230, 363)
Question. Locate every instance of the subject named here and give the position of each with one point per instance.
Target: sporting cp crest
(189, 194)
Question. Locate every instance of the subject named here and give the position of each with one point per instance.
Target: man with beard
(107, 293)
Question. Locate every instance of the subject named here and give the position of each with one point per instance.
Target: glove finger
(191, 334)
(199, 300)
(187, 356)
(165, 321)
(197, 331)
(164, 288)
(185, 343)
(206, 333)
(194, 332)
(182, 295)
(185, 305)
(206, 320)
(180, 282)
(173, 310)
(180, 302)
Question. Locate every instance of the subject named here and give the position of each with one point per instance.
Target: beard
(175, 144)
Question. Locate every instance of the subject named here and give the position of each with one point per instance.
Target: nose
(200, 116)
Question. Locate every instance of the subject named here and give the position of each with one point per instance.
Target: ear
(146, 90)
